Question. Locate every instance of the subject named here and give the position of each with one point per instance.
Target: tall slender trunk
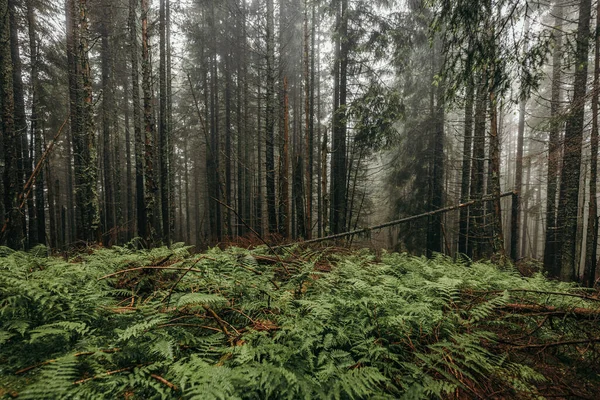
(518, 198)
(476, 223)
(434, 231)
(110, 228)
(463, 237)
(23, 162)
(129, 179)
(525, 201)
(163, 133)
(228, 144)
(270, 120)
(258, 202)
(7, 110)
(569, 185)
(498, 235)
(591, 259)
(85, 148)
(338, 164)
(141, 219)
(554, 147)
(284, 209)
(308, 127)
(39, 226)
(149, 177)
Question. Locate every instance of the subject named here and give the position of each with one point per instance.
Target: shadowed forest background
(210, 122)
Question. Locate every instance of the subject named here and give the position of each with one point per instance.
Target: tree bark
(338, 163)
(270, 120)
(554, 148)
(149, 177)
(163, 133)
(110, 228)
(569, 185)
(591, 259)
(37, 234)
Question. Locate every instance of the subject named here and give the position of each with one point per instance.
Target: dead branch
(163, 380)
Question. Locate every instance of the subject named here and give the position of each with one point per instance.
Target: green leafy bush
(244, 324)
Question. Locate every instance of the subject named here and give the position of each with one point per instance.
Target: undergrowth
(307, 324)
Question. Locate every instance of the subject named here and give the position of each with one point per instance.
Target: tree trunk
(270, 120)
(525, 201)
(569, 185)
(476, 224)
(39, 226)
(308, 130)
(463, 237)
(23, 162)
(554, 149)
(85, 148)
(163, 133)
(149, 179)
(7, 110)
(140, 203)
(338, 163)
(434, 231)
(589, 273)
(110, 228)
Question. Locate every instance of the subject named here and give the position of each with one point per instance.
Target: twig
(168, 297)
(577, 311)
(580, 296)
(555, 344)
(116, 371)
(191, 326)
(220, 321)
(163, 380)
(83, 353)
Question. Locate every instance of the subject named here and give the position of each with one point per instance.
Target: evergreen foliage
(243, 324)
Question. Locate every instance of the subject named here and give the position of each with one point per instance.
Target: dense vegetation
(327, 323)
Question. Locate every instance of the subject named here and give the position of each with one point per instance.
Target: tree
(270, 118)
(338, 162)
(591, 259)
(554, 146)
(150, 186)
(37, 234)
(571, 169)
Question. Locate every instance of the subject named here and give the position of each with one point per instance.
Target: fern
(239, 328)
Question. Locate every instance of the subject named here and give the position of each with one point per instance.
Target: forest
(210, 122)
(340, 199)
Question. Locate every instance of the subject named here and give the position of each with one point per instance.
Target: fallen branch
(555, 344)
(545, 310)
(116, 371)
(579, 296)
(168, 297)
(83, 353)
(163, 380)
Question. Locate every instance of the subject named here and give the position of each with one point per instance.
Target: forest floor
(305, 323)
